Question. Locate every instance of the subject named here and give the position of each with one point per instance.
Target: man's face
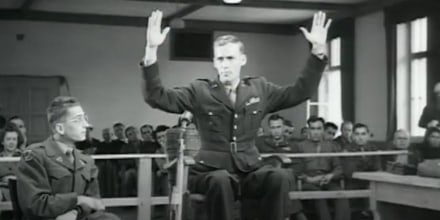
(74, 126)
(329, 133)
(119, 132)
(20, 125)
(316, 130)
(106, 135)
(276, 128)
(161, 138)
(228, 60)
(289, 131)
(10, 141)
(361, 136)
(434, 139)
(146, 133)
(132, 135)
(401, 140)
(347, 130)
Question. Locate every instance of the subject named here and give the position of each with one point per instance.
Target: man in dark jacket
(227, 112)
(56, 181)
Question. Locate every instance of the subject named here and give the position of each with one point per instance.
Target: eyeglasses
(80, 119)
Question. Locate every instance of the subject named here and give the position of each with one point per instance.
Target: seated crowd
(319, 136)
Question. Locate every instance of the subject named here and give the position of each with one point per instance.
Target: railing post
(144, 189)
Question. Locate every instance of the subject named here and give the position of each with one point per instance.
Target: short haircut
(330, 125)
(128, 129)
(345, 123)
(11, 127)
(58, 108)
(288, 123)
(360, 125)
(228, 39)
(15, 117)
(275, 117)
(117, 124)
(159, 128)
(147, 126)
(314, 119)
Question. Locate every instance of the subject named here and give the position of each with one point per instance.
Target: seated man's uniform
(314, 167)
(49, 182)
(362, 163)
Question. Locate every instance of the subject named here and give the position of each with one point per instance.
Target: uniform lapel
(219, 93)
(79, 160)
(55, 153)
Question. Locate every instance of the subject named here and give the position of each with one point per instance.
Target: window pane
(418, 93)
(402, 78)
(419, 33)
(335, 52)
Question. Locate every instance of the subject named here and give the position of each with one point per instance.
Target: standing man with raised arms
(227, 112)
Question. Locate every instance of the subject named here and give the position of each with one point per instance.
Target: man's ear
(243, 59)
(59, 128)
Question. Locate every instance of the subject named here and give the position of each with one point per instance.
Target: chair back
(18, 214)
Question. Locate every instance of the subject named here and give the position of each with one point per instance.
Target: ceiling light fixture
(232, 1)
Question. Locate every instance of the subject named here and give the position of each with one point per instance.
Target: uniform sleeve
(175, 100)
(34, 192)
(281, 97)
(93, 187)
(336, 163)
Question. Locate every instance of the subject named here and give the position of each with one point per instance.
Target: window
(328, 102)
(411, 79)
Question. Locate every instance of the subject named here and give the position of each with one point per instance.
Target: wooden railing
(144, 201)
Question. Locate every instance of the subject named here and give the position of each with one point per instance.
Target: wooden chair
(18, 214)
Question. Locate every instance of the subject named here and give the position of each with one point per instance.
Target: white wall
(101, 65)
(371, 73)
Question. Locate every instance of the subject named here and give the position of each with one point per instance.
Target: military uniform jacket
(227, 132)
(48, 183)
(360, 163)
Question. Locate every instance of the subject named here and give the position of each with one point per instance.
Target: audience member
(128, 167)
(322, 173)
(361, 143)
(147, 133)
(289, 130)
(161, 174)
(345, 139)
(431, 113)
(149, 145)
(108, 174)
(19, 122)
(330, 130)
(120, 141)
(304, 134)
(9, 140)
(90, 145)
(54, 180)
(430, 148)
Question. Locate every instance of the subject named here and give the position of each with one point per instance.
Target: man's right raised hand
(155, 36)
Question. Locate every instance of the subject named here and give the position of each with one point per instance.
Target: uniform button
(235, 127)
(255, 112)
(201, 161)
(235, 115)
(234, 138)
(210, 113)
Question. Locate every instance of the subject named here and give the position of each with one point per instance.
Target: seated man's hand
(93, 203)
(314, 179)
(326, 179)
(70, 215)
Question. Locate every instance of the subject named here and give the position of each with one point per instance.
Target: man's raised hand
(318, 33)
(155, 36)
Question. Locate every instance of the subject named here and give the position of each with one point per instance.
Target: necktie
(70, 156)
(232, 96)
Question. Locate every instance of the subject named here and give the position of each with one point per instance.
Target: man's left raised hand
(318, 33)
